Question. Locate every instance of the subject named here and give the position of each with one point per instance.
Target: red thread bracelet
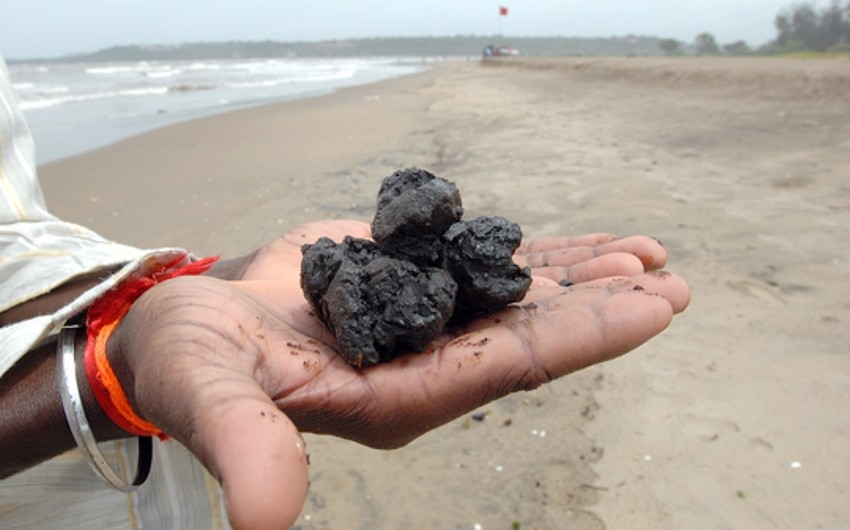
(103, 317)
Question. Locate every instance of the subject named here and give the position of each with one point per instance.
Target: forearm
(32, 424)
(52, 301)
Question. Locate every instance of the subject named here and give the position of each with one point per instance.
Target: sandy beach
(736, 417)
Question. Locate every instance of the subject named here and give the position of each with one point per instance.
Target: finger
(259, 457)
(668, 285)
(552, 297)
(555, 243)
(607, 265)
(650, 252)
(554, 341)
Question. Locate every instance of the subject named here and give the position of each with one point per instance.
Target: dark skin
(234, 365)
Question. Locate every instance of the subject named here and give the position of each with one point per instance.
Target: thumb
(260, 459)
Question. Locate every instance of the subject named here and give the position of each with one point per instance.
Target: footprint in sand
(758, 290)
(761, 444)
(708, 428)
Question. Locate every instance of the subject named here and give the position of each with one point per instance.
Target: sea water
(76, 107)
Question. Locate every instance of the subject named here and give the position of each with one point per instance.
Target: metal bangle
(72, 403)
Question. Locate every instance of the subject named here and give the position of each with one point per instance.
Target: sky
(52, 28)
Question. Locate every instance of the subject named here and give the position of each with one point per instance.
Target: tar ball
(425, 270)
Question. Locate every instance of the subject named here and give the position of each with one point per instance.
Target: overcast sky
(48, 28)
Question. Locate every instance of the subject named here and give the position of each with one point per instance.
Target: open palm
(235, 369)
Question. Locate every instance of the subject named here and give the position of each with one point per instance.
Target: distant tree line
(799, 27)
(459, 46)
(804, 27)
(704, 44)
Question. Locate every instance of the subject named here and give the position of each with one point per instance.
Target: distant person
(208, 360)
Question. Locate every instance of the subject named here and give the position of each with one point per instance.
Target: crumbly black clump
(424, 269)
(373, 304)
(479, 256)
(414, 209)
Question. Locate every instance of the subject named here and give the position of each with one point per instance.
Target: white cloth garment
(39, 252)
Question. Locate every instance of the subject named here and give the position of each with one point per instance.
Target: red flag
(503, 11)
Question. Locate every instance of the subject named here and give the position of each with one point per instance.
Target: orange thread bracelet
(103, 317)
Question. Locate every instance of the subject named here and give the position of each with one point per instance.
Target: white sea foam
(47, 102)
(165, 72)
(76, 106)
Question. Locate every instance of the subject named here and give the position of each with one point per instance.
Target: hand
(235, 369)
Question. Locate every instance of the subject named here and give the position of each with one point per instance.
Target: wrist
(106, 384)
(117, 350)
(102, 427)
(80, 423)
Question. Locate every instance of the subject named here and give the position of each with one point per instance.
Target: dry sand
(737, 417)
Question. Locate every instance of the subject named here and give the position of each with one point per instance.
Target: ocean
(76, 107)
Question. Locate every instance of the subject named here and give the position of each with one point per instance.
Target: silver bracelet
(72, 403)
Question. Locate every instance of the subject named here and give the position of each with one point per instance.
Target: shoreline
(105, 138)
(737, 166)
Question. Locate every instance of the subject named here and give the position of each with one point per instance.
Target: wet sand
(734, 417)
